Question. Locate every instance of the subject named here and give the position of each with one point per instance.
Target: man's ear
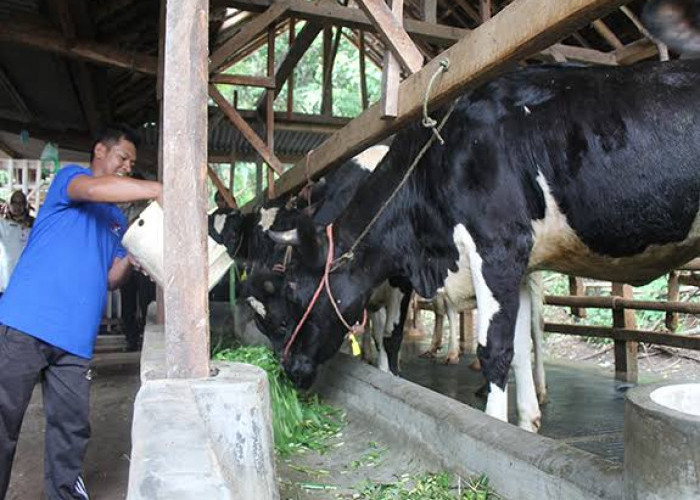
(100, 150)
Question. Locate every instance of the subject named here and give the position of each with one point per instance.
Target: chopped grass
(438, 486)
(298, 422)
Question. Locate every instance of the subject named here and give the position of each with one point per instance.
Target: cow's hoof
(452, 360)
(427, 355)
(475, 365)
(531, 424)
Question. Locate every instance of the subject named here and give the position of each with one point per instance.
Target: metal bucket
(144, 241)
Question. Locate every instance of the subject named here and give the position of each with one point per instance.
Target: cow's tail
(676, 23)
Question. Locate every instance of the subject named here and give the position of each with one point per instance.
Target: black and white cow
(586, 171)
(675, 22)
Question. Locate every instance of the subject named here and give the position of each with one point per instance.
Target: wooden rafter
(325, 12)
(227, 195)
(391, 73)
(581, 54)
(244, 80)
(479, 59)
(390, 29)
(636, 51)
(607, 34)
(15, 96)
(302, 42)
(246, 130)
(5, 148)
(247, 34)
(39, 37)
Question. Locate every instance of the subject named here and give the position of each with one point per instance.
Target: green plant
(431, 486)
(298, 422)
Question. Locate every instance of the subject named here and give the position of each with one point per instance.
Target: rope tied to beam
(429, 122)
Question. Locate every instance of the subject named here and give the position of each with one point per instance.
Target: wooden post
(270, 110)
(576, 289)
(160, 296)
(391, 73)
(185, 261)
(485, 10)
(429, 8)
(327, 99)
(673, 292)
(466, 328)
(290, 81)
(363, 72)
(258, 178)
(625, 352)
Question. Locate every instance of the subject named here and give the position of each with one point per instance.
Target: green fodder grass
(299, 422)
(430, 486)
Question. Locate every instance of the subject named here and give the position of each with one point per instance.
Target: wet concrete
(585, 406)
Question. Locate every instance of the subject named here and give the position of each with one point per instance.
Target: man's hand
(119, 272)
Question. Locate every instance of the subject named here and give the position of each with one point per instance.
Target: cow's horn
(290, 237)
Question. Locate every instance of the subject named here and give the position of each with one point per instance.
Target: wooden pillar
(327, 99)
(576, 290)
(485, 10)
(290, 80)
(258, 178)
(674, 288)
(391, 72)
(625, 352)
(466, 328)
(270, 111)
(363, 72)
(185, 262)
(160, 296)
(429, 8)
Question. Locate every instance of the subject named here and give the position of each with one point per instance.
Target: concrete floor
(114, 386)
(585, 406)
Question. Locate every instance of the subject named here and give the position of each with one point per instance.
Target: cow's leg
(436, 343)
(453, 346)
(537, 332)
(378, 328)
(393, 344)
(528, 410)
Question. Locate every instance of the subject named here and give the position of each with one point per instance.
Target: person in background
(51, 310)
(15, 225)
(18, 210)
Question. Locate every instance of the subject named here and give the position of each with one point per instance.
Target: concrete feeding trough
(662, 442)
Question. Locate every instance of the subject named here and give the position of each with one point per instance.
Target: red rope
(325, 282)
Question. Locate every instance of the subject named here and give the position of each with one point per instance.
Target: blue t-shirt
(58, 290)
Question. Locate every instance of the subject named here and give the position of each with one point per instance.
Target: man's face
(117, 159)
(18, 204)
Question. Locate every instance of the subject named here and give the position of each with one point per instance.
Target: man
(51, 310)
(14, 231)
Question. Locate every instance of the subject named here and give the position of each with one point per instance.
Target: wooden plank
(184, 171)
(607, 34)
(39, 37)
(657, 338)
(674, 287)
(485, 10)
(246, 130)
(429, 10)
(244, 80)
(246, 35)
(290, 79)
(618, 303)
(325, 12)
(693, 265)
(327, 83)
(581, 54)
(285, 70)
(221, 188)
(364, 95)
(390, 29)
(270, 110)
(636, 51)
(524, 27)
(626, 368)
(391, 73)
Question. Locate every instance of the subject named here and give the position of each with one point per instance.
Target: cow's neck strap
(356, 329)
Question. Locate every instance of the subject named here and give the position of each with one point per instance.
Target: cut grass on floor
(440, 486)
(299, 422)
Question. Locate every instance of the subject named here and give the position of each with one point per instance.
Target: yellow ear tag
(354, 345)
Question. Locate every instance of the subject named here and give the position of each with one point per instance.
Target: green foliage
(298, 422)
(439, 486)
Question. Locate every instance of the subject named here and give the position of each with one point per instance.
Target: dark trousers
(25, 360)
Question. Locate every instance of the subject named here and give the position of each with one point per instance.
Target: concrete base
(205, 438)
(662, 442)
(520, 465)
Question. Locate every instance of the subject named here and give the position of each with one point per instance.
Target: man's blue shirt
(58, 290)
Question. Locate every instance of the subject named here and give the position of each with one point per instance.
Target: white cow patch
(267, 217)
(257, 306)
(461, 287)
(557, 247)
(219, 221)
(371, 157)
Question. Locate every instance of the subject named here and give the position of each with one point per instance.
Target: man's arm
(113, 189)
(119, 272)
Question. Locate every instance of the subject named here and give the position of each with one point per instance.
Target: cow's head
(281, 300)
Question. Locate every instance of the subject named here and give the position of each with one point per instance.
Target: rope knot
(429, 122)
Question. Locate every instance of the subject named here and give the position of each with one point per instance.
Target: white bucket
(144, 240)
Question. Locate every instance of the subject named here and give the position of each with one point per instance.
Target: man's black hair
(111, 134)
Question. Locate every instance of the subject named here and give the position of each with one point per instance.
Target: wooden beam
(636, 51)
(15, 96)
(390, 29)
(8, 150)
(607, 34)
(669, 339)
(246, 130)
(270, 110)
(364, 96)
(581, 54)
(184, 155)
(39, 37)
(246, 35)
(429, 11)
(244, 80)
(485, 10)
(391, 73)
(285, 70)
(524, 27)
(324, 12)
(221, 188)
